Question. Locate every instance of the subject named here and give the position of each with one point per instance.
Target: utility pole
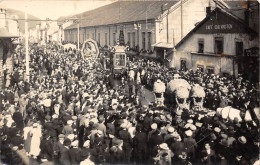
(27, 72)
(181, 21)
(78, 34)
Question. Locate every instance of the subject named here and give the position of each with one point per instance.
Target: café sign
(221, 23)
(219, 27)
(252, 52)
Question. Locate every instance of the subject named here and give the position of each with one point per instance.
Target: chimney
(2, 18)
(247, 12)
(208, 11)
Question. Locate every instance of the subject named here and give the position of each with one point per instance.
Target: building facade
(216, 45)
(145, 24)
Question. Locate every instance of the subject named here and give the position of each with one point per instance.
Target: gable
(220, 22)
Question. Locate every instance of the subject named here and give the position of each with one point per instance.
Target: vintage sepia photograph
(138, 82)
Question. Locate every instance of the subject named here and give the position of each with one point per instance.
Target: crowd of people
(70, 113)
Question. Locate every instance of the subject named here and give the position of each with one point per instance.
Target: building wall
(136, 34)
(193, 12)
(188, 51)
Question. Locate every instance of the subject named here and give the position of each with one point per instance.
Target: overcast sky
(53, 9)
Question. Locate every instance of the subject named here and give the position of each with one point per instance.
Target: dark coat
(190, 144)
(155, 140)
(65, 157)
(46, 147)
(127, 139)
(74, 154)
(18, 119)
(140, 141)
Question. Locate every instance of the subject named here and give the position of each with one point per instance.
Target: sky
(53, 9)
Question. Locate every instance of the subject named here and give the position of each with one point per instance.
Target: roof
(237, 20)
(20, 15)
(163, 45)
(5, 34)
(238, 8)
(122, 11)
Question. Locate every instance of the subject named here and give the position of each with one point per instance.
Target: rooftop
(122, 11)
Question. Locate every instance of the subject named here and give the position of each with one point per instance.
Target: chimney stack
(208, 11)
(247, 13)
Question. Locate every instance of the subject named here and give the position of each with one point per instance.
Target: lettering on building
(219, 27)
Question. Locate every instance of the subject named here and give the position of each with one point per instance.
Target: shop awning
(5, 34)
(163, 45)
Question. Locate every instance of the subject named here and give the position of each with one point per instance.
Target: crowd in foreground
(69, 113)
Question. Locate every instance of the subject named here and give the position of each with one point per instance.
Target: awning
(5, 34)
(163, 45)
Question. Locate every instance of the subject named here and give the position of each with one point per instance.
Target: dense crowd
(71, 112)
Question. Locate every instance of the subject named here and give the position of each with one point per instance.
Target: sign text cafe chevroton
(218, 27)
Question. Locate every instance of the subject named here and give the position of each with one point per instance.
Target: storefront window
(200, 68)
(149, 40)
(210, 70)
(105, 38)
(133, 40)
(114, 38)
(129, 38)
(183, 65)
(143, 40)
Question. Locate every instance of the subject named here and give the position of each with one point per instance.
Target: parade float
(159, 89)
(118, 56)
(197, 97)
(179, 89)
(90, 49)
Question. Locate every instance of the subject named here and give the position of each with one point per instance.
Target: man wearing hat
(127, 142)
(190, 144)
(59, 147)
(68, 128)
(64, 155)
(74, 152)
(101, 125)
(140, 145)
(46, 146)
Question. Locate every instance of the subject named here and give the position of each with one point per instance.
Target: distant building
(146, 24)
(6, 48)
(218, 44)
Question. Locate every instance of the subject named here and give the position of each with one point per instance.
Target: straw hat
(242, 140)
(164, 146)
(154, 126)
(188, 133)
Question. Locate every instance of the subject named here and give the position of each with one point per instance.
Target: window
(114, 38)
(200, 68)
(143, 40)
(239, 48)
(93, 37)
(201, 46)
(149, 40)
(87, 36)
(99, 38)
(183, 65)
(133, 40)
(210, 70)
(105, 38)
(137, 41)
(219, 45)
(129, 38)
